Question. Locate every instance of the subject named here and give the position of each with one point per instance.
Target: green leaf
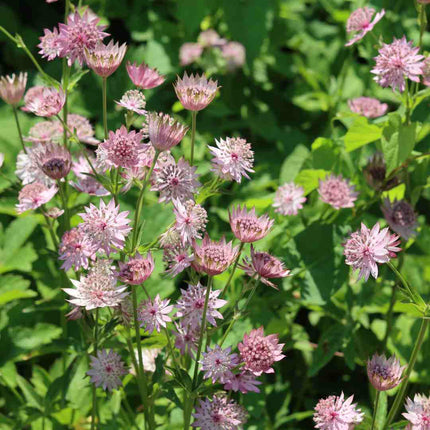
(34, 337)
(361, 133)
(14, 287)
(293, 163)
(33, 399)
(75, 78)
(309, 179)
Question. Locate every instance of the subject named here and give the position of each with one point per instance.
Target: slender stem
(172, 350)
(104, 91)
(389, 316)
(66, 71)
(193, 134)
(64, 200)
(236, 262)
(408, 103)
(375, 409)
(51, 232)
(96, 336)
(15, 114)
(401, 393)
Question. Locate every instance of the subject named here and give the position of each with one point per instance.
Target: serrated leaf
(309, 179)
(361, 133)
(33, 399)
(14, 287)
(34, 337)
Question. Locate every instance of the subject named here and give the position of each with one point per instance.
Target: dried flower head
(136, 270)
(217, 364)
(191, 220)
(50, 44)
(43, 101)
(164, 132)
(289, 199)
(34, 195)
(384, 374)
(368, 107)
(375, 172)
(247, 226)
(105, 59)
(54, 160)
(400, 217)
(133, 100)
(418, 412)
(153, 314)
(360, 23)
(75, 250)
(143, 76)
(337, 192)
(190, 52)
(12, 88)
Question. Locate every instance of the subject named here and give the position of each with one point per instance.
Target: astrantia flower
(337, 413)
(54, 160)
(82, 128)
(425, 67)
(401, 217)
(360, 23)
(148, 359)
(105, 59)
(98, 288)
(12, 88)
(79, 34)
(153, 314)
(368, 107)
(233, 158)
(164, 132)
(34, 195)
(235, 54)
(143, 76)
(136, 270)
(397, 61)
(45, 102)
(75, 250)
(337, 192)
(375, 172)
(87, 184)
(259, 352)
(213, 257)
(219, 414)
(191, 220)
(210, 38)
(170, 238)
(264, 266)
(133, 100)
(190, 52)
(418, 412)
(366, 248)
(49, 44)
(190, 306)
(217, 364)
(175, 180)
(289, 199)
(186, 338)
(28, 169)
(45, 132)
(107, 369)
(177, 258)
(105, 227)
(244, 382)
(195, 92)
(247, 226)
(384, 374)
(54, 213)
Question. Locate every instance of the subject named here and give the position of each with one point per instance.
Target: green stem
(51, 232)
(389, 316)
(104, 91)
(96, 338)
(236, 262)
(408, 103)
(66, 72)
(193, 134)
(172, 350)
(375, 409)
(15, 114)
(64, 200)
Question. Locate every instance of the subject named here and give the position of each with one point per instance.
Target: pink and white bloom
(83, 129)
(133, 100)
(177, 258)
(164, 132)
(49, 45)
(85, 183)
(401, 217)
(154, 314)
(337, 192)
(366, 248)
(28, 169)
(186, 338)
(190, 52)
(217, 364)
(136, 270)
(368, 107)
(191, 220)
(384, 374)
(54, 160)
(418, 412)
(44, 101)
(360, 23)
(426, 71)
(12, 88)
(45, 132)
(289, 199)
(34, 195)
(143, 76)
(247, 226)
(54, 212)
(210, 38)
(75, 250)
(244, 382)
(235, 55)
(105, 59)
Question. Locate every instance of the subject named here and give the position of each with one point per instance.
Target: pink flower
(82, 128)
(235, 55)
(164, 132)
(54, 160)
(336, 413)
(186, 339)
(233, 158)
(217, 364)
(384, 374)
(213, 257)
(143, 76)
(34, 195)
(190, 52)
(27, 168)
(98, 288)
(368, 107)
(43, 101)
(190, 306)
(45, 132)
(259, 352)
(106, 370)
(418, 412)
(210, 38)
(219, 414)
(397, 61)
(105, 59)
(75, 250)
(178, 259)
(12, 88)
(54, 213)
(247, 226)
(195, 92)
(136, 270)
(289, 199)
(244, 382)
(79, 34)
(105, 227)
(424, 1)
(337, 192)
(191, 220)
(49, 44)
(1, 159)
(153, 314)
(366, 248)
(264, 266)
(133, 100)
(87, 184)
(400, 217)
(360, 23)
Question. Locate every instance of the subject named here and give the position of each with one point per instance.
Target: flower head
(43, 101)
(82, 128)
(105, 59)
(418, 412)
(190, 52)
(233, 158)
(337, 413)
(375, 172)
(54, 160)
(54, 212)
(337, 192)
(366, 248)
(401, 217)
(28, 169)
(360, 23)
(164, 132)
(195, 92)
(397, 61)
(426, 71)
(12, 88)
(34, 195)
(217, 364)
(75, 250)
(247, 226)
(368, 107)
(153, 314)
(49, 44)
(45, 132)
(289, 199)
(107, 369)
(384, 374)
(210, 38)
(177, 258)
(191, 220)
(143, 76)
(133, 100)
(136, 270)
(243, 381)
(235, 55)
(186, 338)
(87, 184)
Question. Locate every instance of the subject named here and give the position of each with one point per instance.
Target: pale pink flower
(424, 1)
(49, 44)
(45, 132)
(191, 220)
(107, 369)
(98, 288)
(136, 270)
(164, 132)
(195, 92)
(51, 1)
(105, 59)
(368, 107)
(244, 382)
(153, 314)
(44, 101)
(217, 364)
(186, 339)
(149, 356)
(87, 184)
(360, 23)
(337, 192)
(34, 195)
(366, 248)
(105, 227)
(133, 100)
(177, 258)
(54, 213)
(143, 76)
(233, 158)
(264, 266)
(190, 306)
(247, 226)
(1, 159)
(83, 129)
(190, 52)
(337, 413)
(75, 313)
(210, 38)
(54, 160)
(235, 55)
(400, 217)
(75, 250)
(289, 199)
(12, 88)
(426, 71)
(27, 168)
(220, 413)
(397, 61)
(81, 33)
(384, 374)
(418, 412)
